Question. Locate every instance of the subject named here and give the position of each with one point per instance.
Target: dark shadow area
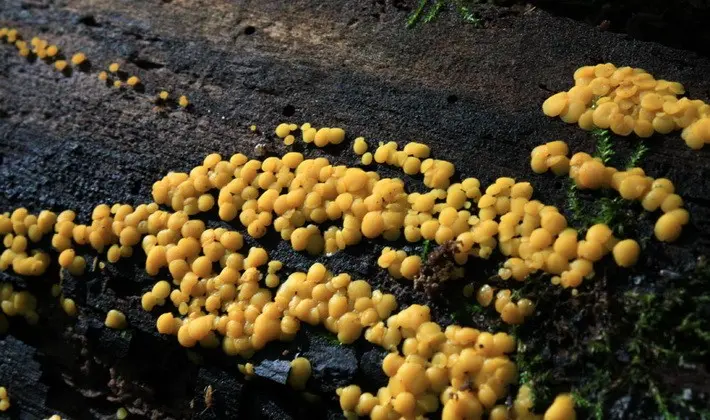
(89, 20)
(679, 24)
(288, 111)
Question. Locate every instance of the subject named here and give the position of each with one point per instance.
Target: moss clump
(604, 147)
(426, 244)
(648, 345)
(609, 209)
(637, 155)
(428, 10)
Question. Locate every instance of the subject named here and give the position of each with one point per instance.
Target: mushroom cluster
(629, 100)
(462, 369)
(631, 184)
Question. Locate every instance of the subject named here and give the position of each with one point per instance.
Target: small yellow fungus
(166, 324)
(69, 306)
(115, 319)
(360, 146)
(61, 65)
(372, 224)
(252, 127)
(309, 134)
(161, 290)
(299, 373)
(66, 258)
(13, 35)
(4, 399)
(555, 105)
(78, 59)
(40, 50)
(283, 130)
(410, 266)
(336, 135)
(163, 95)
(349, 397)
(113, 254)
(591, 175)
(148, 301)
(626, 252)
(667, 228)
(600, 233)
(117, 84)
(183, 102)
(133, 81)
(113, 67)
(562, 408)
(322, 137)
(103, 76)
(121, 413)
(52, 51)
(77, 266)
(484, 295)
(246, 369)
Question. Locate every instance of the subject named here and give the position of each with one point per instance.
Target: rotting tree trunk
(71, 142)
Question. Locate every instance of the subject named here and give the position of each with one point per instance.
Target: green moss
(195, 357)
(429, 10)
(434, 11)
(609, 209)
(532, 372)
(591, 394)
(649, 343)
(467, 15)
(637, 155)
(679, 312)
(697, 412)
(600, 345)
(474, 309)
(417, 13)
(425, 249)
(466, 312)
(594, 407)
(604, 147)
(574, 205)
(328, 336)
(660, 402)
